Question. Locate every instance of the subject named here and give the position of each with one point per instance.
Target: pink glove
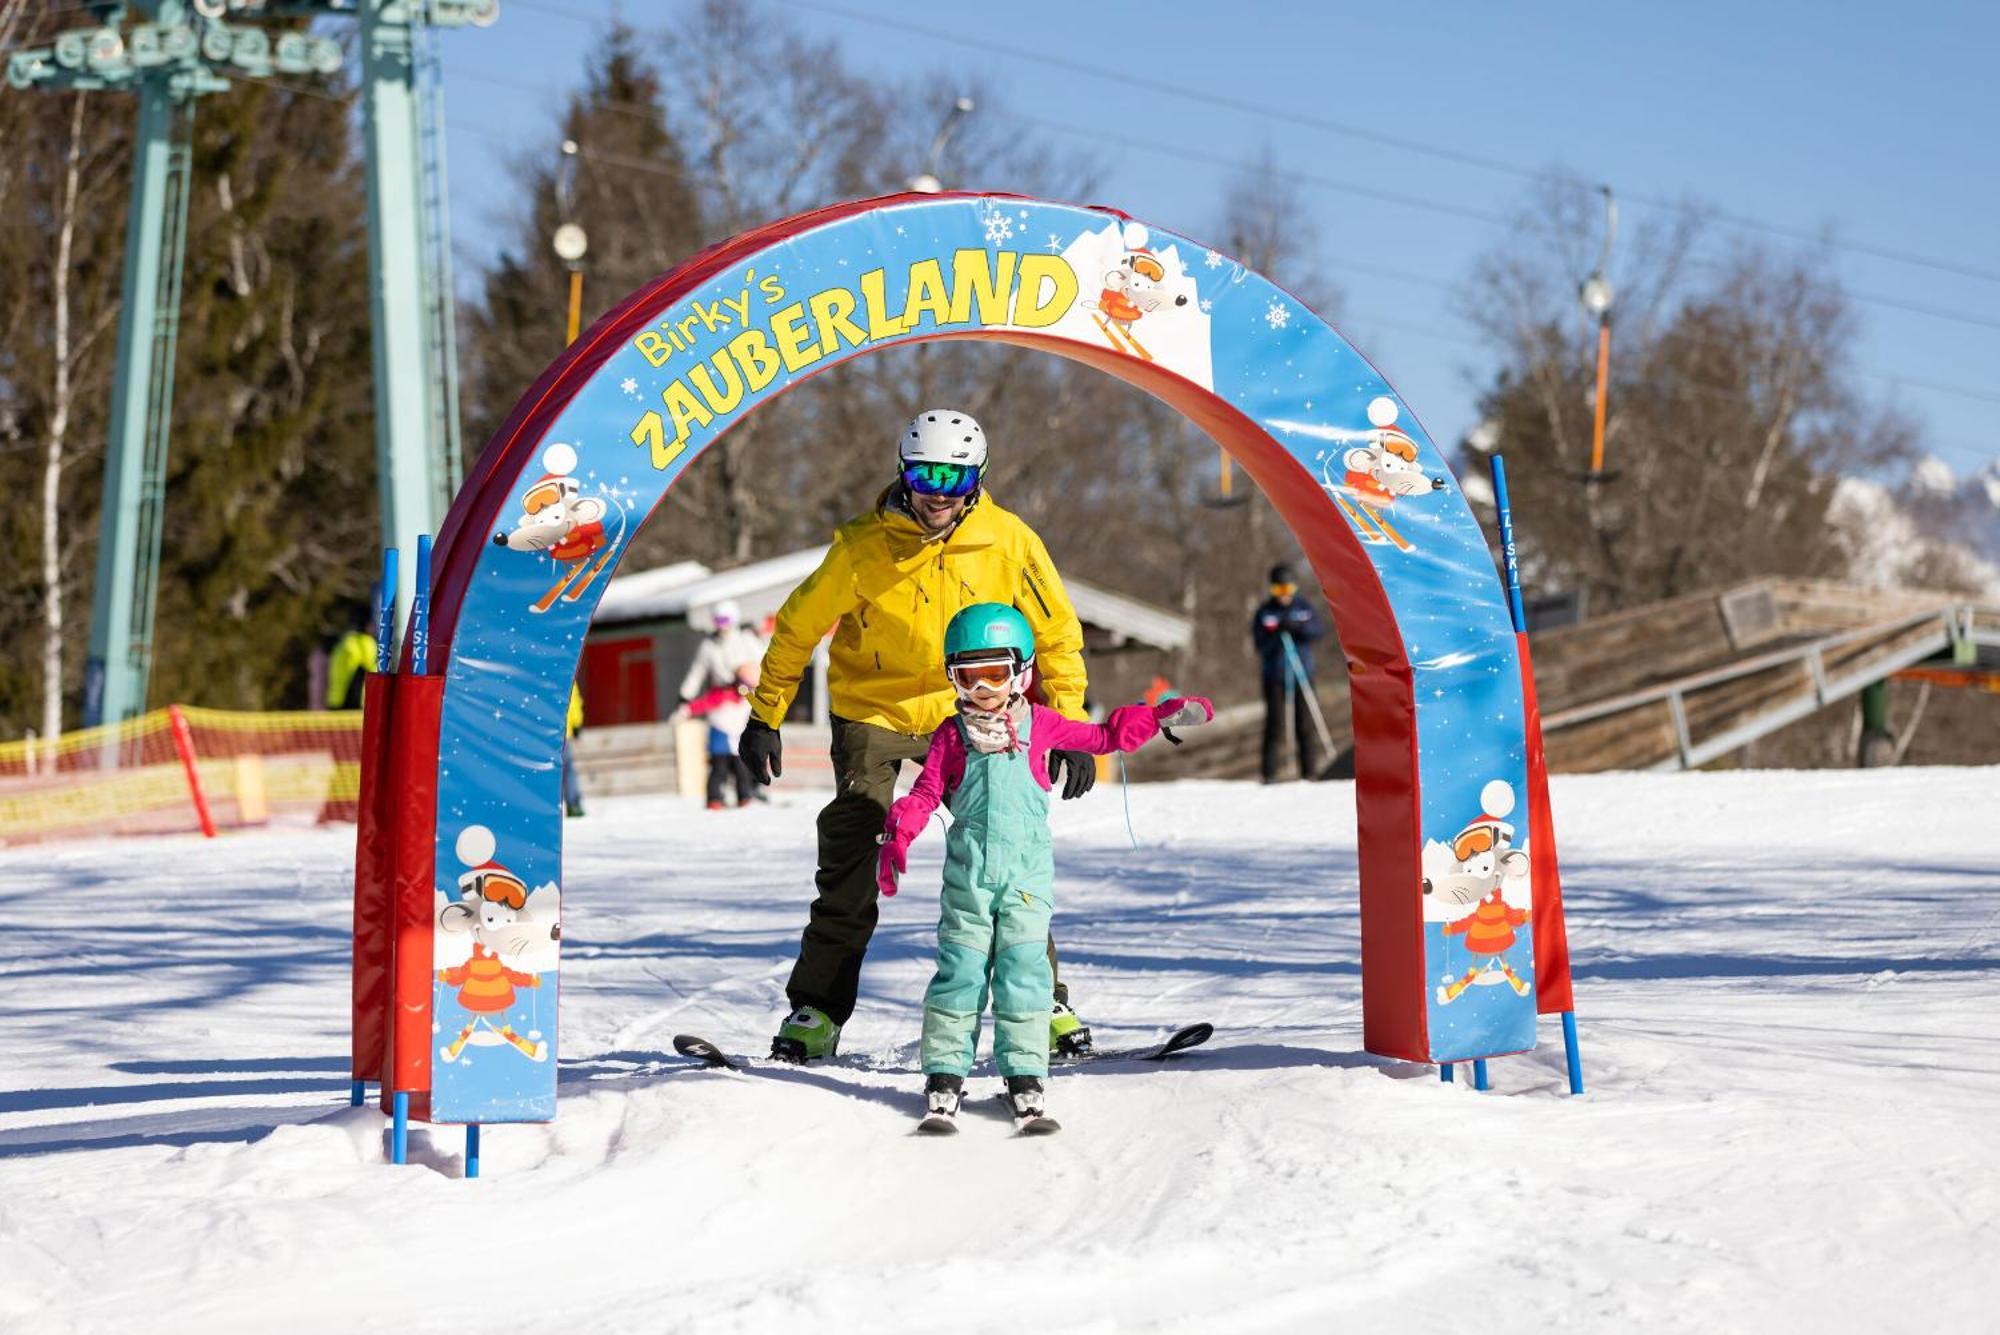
(892, 862)
(1184, 711)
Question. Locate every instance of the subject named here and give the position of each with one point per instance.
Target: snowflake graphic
(1213, 259)
(1277, 314)
(1207, 305)
(629, 385)
(999, 228)
(1055, 242)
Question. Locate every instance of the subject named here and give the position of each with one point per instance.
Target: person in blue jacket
(1285, 621)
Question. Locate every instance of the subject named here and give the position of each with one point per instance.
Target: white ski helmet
(942, 436)
(725, 613)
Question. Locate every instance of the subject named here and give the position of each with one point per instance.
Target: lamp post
(1596, 295)
(928, 181)
(569, 241)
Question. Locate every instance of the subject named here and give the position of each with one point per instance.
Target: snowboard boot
(1069, 1036)
(941, 1094)
(1025, 1101)
(806, 1035)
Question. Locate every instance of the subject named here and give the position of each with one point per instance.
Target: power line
(1517, 170)
(1340, 186)
(639, 164)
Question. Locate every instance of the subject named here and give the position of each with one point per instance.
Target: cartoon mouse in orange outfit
(490, 906)
(1131, 291)
(1382, 468)
(557, 518)
(1480, 862)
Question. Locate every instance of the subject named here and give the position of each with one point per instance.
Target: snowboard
(1187, 1036)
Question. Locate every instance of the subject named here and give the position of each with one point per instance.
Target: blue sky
(1874, 128)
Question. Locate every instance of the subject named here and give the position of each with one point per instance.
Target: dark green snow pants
(866, 760)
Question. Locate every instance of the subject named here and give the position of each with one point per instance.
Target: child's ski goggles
(941, 479)
(993, 672)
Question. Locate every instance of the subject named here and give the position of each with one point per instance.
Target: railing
(182, 769)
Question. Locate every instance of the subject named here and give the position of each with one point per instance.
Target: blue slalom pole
(1572, 1057)
(1444, 1072)
(420, 609)
(1514, 608)
(357, 1093)
(472, 1149)
(1479, 1073)
(385, 613)
(399, 1128)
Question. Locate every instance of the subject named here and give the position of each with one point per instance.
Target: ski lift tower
(179, 50)
(169, 58)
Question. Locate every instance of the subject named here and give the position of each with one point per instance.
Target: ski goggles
(995, 672)
(1398, 444)
(941, 479)
(1284, 590)
(1479, 839)
(500, 890)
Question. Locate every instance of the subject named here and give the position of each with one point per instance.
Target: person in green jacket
(352, 660)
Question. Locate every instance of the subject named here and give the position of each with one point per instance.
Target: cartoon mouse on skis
(1480, 862)
(491, 905)
(558, 519)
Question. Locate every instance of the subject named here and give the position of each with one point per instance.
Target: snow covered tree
(1732, 407)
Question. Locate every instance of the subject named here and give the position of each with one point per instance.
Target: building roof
(645, 595)
(688, 589)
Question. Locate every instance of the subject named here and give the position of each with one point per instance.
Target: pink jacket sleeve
(1129, 728)
(944, 766)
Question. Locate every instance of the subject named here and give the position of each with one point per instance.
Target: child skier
(990, 762)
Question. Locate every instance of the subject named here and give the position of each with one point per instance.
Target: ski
(705, 1052)
(1188, 1036)
(938, 1124)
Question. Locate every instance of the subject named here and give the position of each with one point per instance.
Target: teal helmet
(984, 627)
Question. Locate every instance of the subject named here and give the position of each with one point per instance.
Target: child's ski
(704, 1051)
(938, 1124)
(1040, 1124)
(1188, 1036)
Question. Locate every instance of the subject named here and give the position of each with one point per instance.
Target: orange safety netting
(138, 777)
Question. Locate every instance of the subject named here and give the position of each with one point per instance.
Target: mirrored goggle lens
(968, 675)
(500, 890)
(1284, 590)
(935, 479)
(1472, 842)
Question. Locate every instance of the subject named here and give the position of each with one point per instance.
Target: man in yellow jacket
(933, 543)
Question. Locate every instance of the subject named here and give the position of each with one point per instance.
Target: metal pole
(114, 682)
(1597, 412)
(402, 353)
(472, 1149)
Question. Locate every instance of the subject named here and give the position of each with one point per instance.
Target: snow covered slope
(1787, 986)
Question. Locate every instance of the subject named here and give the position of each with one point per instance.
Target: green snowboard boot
(806, 1035)
(1069, 1036)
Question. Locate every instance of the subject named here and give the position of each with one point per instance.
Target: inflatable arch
(1462, 937)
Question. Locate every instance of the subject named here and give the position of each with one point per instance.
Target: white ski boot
(941, 1095)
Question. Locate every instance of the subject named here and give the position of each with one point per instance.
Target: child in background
(726, 710)
(991, 763)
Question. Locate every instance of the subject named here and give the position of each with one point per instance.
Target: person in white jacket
(724, 661)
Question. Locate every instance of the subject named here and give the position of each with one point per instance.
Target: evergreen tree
(631, 195)
(269, 523)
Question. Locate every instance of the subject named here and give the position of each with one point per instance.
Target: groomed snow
(1787, 985)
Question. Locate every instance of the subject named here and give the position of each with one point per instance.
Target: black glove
(761, 750)
(1081, 767)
